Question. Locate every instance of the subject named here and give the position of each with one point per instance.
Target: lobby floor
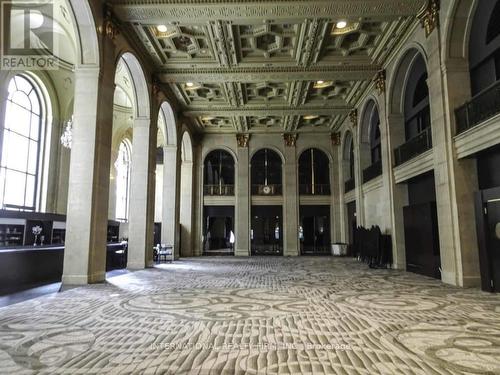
(258, 315)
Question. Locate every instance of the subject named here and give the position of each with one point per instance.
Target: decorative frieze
(290, 139)
(380, 81)
(242, 140)
(429, 17)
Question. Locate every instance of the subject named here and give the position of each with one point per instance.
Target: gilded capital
(429, 17)
(242, 140)
(290, 139)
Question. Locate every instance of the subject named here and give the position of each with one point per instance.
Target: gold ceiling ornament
(353, 116)
(429, 16)
(335, 138)
(290, 139)
(109, 27)
(380, 81)
(242, 140)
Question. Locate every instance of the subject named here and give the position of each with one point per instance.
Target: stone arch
(140, 86)
(400, 77)
(170, 130)
(269, 147)
(458, 27)
(85, 29)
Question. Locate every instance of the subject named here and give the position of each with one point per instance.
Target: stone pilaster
(88, 191)
(170, 197)
(290, 202)
(455, 180)
(141, 220)
(336, 191)
(242, 224)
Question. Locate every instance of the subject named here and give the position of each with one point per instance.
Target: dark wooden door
(493, 241)
(422, 239)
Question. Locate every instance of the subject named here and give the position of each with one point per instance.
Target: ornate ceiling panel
(260, 66)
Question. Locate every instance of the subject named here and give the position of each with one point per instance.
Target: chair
(164, 252)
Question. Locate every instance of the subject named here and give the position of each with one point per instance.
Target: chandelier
(67, 136)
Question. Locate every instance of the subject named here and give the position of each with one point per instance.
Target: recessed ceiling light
(310, 117)
(341, 25)
(322, 84)
(161, 28)
(189, 84)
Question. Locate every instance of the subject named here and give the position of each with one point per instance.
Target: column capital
(335, 137)
(380, 81)
(353, 116)
(242, 140)
(290, 139)
(429, 16)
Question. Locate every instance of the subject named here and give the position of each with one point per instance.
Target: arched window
(22, 132)
(375, 142)
(314, 176)
(484, 46)
(417, 110)
(122, 165)
(219, 173)
(266, 173)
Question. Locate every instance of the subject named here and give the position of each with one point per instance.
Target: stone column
(454, 191)
(291, 199)
(336, 190)
(140, 223)
(186, 208)
(392, 135)
(170, 196)
(88, 191)
(242, 192)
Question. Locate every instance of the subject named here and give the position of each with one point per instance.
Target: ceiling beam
(263, 112)
(156, 12)
(263, 74)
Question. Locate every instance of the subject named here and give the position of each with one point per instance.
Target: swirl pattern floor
(307, 315)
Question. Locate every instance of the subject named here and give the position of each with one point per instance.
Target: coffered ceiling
(267, 66)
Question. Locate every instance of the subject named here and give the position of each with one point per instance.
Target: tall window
(314, 176)
(123, 180)
(21, 146)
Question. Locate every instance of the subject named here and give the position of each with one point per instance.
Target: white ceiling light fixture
(322, 84)
(310, 117)
(341, 25)
(162, 28)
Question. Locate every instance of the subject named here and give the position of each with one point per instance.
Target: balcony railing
(275, 189)
(480, 108)
(316, 189)
(415, 146)
(218, 190)
(349, 185)
(372, 171)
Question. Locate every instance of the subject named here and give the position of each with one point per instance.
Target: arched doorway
(266, 233)
(314, 219)
(218, 220)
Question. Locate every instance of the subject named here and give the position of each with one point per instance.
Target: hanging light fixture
(67, 136)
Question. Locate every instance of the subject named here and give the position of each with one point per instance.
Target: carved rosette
(353, 116)
(429, 17)
(242, 140)
(380, 81)
(290, 139)
(335, 138)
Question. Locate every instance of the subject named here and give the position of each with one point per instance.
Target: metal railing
(316, 189)
(349, 185)
(372, 171)
(415, 146)
(218, 190)
(275, 189)
(480, 108)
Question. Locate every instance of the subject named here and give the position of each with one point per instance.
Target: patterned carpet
(306, 315)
